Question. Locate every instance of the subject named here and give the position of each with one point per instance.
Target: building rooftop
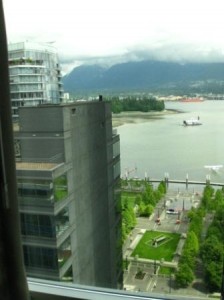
(28, 45)
(35, 166)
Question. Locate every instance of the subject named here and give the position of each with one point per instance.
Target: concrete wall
(45, 118)
(41, 134)
(90, 180)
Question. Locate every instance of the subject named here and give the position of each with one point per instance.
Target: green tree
(162, 187)
(138, 200)
(191, 213)
(214, 230)
(141, 208)
(192, 243)
(213, 276)
(184, 276)
(208, 194)
(190, 250)
(148, 197)
(146, 210)
(157, 195)
(211, 250)
(116, 106)
(209, 190)
(129, 219)
(126, 203)
(218, 197)
(196, 225)
(212, 257)
(135, 104)
(149, 210)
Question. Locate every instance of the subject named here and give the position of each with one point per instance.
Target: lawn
(166, 271)
(165, 249)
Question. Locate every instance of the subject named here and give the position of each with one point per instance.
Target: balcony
(25, 61)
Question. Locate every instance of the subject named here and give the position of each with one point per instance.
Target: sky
(110, 32)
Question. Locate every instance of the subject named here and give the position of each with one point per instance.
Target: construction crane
(128, 172)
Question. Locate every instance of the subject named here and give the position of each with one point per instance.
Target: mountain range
(147, 76)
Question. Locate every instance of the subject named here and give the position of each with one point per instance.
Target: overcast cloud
(109, 32)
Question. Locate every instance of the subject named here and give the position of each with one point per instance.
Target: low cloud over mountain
(143, 75)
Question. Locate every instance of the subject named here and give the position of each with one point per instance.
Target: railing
(187, 181)
(25, 61)
(44, 289)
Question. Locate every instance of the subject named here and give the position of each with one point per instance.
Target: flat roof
(35, 166)
(35, 46)
(65, 104)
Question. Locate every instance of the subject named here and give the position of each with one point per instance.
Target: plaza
(155, 280)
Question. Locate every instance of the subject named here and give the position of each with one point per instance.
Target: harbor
(164, 145)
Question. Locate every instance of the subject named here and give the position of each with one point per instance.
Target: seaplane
(192, 122)
(214, 168)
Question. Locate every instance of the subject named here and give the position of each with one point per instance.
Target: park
(161, 251)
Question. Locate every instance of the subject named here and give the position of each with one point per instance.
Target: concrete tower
(68, 171)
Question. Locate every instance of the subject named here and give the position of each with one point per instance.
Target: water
(164, 146)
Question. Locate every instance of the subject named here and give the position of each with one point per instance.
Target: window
(35, 188)
(38, 225)
(38, 257)
(161, 76)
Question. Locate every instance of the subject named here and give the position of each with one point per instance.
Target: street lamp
(170, 282)
(154, 266)
(126, 265)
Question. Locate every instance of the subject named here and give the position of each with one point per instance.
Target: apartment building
(68, 171)
(35, 75)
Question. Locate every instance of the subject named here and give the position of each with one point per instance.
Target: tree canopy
(211, 250)
(134, 104)
(184, 275)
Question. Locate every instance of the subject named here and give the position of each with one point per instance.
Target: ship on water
(194, 99)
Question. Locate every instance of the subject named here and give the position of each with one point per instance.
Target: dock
(186, 181)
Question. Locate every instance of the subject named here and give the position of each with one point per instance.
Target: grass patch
(166, 271)
(165, 250)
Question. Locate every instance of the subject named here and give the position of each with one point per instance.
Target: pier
(186, 181)
(169, 181)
